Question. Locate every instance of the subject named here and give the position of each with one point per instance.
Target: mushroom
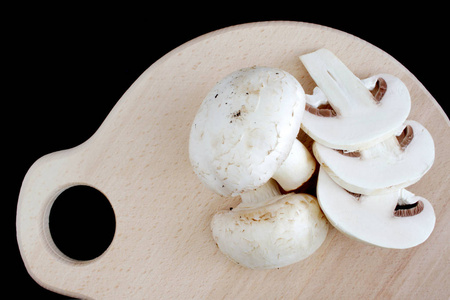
(244, 134)
(347, 113)
(246, 129)
(398, 219)
(296, 169)
(394, 163)
(281, 231)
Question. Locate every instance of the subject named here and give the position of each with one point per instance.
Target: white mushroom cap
(245, 129)
(359, 119)
(282, 231)
(383, 168)
(374, 219)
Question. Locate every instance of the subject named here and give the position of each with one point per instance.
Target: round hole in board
(82, 222)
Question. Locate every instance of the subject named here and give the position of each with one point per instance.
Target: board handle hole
(82, 222)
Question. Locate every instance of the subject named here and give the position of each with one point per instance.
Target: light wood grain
(163, 247)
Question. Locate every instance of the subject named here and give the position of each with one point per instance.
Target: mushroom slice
(273, 234)
(245, 129)
(355, 118)
(395, 163)
(391, 220)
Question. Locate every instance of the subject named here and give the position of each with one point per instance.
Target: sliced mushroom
(245, 129)
(398, 219)
(356, 118)
(285, 230)
(395, 163)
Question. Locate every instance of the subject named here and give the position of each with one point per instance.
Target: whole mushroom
(244, 134)
(275, 233)
(245, 129)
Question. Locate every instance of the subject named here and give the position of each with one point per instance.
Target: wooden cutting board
(162, 246)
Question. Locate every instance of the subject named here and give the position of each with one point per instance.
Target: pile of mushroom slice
(243, 138)
(368, 153)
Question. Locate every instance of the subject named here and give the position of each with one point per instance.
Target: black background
(66, 67)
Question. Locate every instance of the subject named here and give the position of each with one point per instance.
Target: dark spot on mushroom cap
(237, 114)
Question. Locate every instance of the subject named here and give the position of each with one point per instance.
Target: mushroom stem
(296, 169)
(386, 148)
(345, 92)
(391, 147)
(267, 191)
